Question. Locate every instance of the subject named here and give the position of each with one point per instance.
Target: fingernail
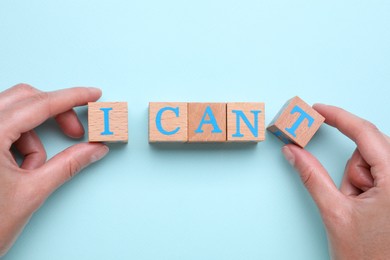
(320, 105)
(100, 153)
(93, 89)
(288, 155)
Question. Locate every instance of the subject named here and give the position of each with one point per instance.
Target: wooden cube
(207, 122)
(107, 122)
(245, 122)
(296, 122)
(168, 122)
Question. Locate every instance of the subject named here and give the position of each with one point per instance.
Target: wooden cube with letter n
(296, 122)
(167, 122)
(245, 122)
(107, 122)
(207, 122)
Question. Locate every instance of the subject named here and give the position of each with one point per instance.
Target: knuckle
(307, 175)
(25, 88)
(367, 125)
(339, 118)
(41, 96)
(44, 98)
(366, 130)
(360, 178)
(74, 166)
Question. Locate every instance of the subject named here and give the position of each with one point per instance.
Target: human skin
(23, 188)
(356, 216)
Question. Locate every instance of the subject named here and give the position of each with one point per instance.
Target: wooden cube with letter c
(167, 122)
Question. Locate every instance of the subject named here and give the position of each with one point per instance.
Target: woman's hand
(24, 188)
(356, 217)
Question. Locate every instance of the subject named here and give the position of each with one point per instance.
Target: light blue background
(211, 201)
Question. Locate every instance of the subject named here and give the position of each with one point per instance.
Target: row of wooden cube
(206, 122)
(295, 123)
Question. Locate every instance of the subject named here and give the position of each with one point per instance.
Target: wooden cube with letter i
(296, 122)
(107, 122)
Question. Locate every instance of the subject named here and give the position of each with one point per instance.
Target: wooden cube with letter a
(296, 122)
(107, 122)
(207, 122)
(167, 122)
(245, 122)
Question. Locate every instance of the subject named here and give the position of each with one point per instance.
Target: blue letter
(253, 128)
(300, 119)
(158, 120)
(211, 120)
(106, 131)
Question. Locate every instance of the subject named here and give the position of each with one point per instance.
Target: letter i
(106, 111)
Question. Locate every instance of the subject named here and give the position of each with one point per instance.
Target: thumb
(314, 176)
(63, 166)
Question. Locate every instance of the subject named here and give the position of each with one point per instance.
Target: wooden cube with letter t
(107, 122)
(245, 122)
(207, 122)
(296, 122)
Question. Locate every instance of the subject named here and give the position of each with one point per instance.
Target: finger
(30, 147)
(15, 94)
(67, 164)
(30, 113)
(313, 175)
(357, 177)
(68, 121)
(372, 144)
(70, 124)
(347, 188)
(358, 172)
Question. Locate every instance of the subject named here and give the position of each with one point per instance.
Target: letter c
(158, 120)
